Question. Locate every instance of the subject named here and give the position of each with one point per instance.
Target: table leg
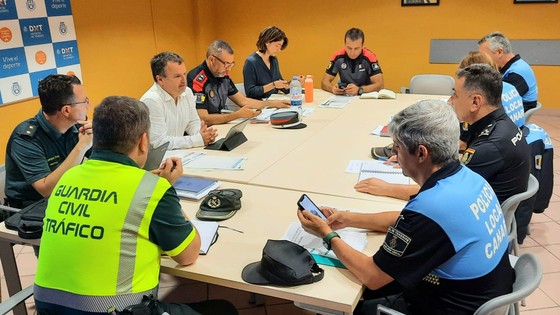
(11, 274)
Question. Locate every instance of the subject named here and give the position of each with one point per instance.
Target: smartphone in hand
(304, 203)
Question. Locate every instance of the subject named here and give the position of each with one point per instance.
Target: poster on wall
(37, 38)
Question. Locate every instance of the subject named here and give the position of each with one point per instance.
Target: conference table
(266, 214)
(281, 165)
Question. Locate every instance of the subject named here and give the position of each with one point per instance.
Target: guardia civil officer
(439, 257)
(42, 148)
(108, 221)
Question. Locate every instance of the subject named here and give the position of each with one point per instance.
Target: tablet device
(234, 138)
(155, 156)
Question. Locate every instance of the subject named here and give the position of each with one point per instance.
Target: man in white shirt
(173, 115)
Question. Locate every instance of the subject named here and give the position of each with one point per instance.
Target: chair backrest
(435, 84)
(230, 105)
(528, 275)
(510, 205)
(531, 111)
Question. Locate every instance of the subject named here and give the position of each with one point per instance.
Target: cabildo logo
(40, 57)
(5, 34)
(31, 5)
(16, 88)
(62, 28)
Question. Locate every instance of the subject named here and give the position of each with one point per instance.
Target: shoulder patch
(488, 130)
(396, 242)
(199, 81)
(330, 65)
(338, 54)
(467, 156)
(200, 98)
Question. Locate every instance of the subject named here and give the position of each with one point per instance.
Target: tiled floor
(544, 241)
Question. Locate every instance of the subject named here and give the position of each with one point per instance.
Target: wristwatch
(328, 238)
(360, 90)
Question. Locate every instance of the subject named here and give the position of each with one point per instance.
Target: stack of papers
(278, 97)
(355, 238)
(194, 187)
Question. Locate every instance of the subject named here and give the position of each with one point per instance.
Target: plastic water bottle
(308, 89)
(296, 98)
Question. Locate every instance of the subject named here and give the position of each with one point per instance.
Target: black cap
(286, 120)
(283, 263)
(220, 204)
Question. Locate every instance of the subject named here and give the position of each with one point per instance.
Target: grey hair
(495, 41)
(432, 123)
(217, 47)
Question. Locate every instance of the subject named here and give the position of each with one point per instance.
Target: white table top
(266, 214)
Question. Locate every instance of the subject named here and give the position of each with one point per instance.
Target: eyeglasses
(226, 64)
(82, 102)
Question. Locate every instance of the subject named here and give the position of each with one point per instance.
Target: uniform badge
(396, 242)
(200, 77)
(214, 202)
(211, 93)
(343, 66)
(465, 126)
(330, 65)
(467, 156)
(200, 98)
(538, 161)
(375, 66)
(360, 66)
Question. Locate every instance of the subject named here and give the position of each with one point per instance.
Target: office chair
(230, 105)
(531, 111)
(528, 276)
(435, 84)
(509, 206)
(9, 304)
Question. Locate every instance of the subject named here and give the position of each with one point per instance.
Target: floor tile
(546, 233)
(549, 262)
(554, 249)
(545, 311)
(549, 286)
(553, 210)
(538, 300)
(27, 263)
(541, 217)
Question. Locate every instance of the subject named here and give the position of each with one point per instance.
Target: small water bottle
(296, 98)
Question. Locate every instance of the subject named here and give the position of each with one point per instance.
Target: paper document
(217, 163)
(264, 116)
(295, 233)
(381, 130)
(185, 155)
(337, 101)
(279, 97)
(208, 231)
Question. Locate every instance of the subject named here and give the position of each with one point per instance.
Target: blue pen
(382, 159)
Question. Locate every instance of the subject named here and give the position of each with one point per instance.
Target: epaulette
(30, 130)
(488, 130)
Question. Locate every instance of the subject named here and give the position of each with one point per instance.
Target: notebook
(382, 171)
(155, 156)
(208, 231)
(194, 187)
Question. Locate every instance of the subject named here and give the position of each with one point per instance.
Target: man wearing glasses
(42, 148)
(212, 86)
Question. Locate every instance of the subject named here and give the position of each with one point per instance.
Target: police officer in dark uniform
(212, 86)
(42, 148)
(496, 148)
(357, 67)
